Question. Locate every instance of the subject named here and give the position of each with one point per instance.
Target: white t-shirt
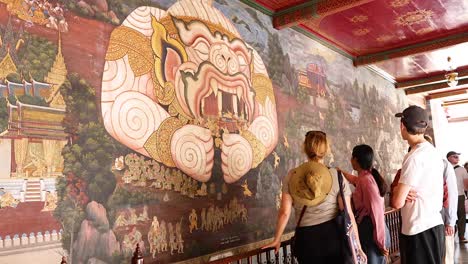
(422, 169)
(461, 174)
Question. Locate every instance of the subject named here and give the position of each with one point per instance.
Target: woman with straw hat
(313, 190)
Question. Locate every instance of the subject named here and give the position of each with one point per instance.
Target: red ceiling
(381, 25)
(411, 38)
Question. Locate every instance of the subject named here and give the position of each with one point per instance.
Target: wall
(5, 147)
(448, 136)
(181, 124)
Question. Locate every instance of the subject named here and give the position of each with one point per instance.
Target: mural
(183, 79)
(169, 124)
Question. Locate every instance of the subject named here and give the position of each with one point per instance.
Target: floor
(461, 253)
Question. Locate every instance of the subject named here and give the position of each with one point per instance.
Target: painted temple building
(314, 80)
(34, 136)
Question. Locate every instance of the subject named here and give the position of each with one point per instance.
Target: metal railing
(393, 220)
(267, 256)
(261, 256)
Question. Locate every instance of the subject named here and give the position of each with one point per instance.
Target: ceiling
(407, 41)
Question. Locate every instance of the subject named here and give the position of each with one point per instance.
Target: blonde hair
(316, 145)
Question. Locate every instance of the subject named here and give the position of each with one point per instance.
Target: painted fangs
(214, 86)
(239, 93)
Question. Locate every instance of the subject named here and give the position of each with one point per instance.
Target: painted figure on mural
(193, 219)
(215, 77)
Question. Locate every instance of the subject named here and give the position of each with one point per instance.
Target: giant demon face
(179, 83)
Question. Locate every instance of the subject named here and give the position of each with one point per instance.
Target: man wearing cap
(453, 157)
(422, 238)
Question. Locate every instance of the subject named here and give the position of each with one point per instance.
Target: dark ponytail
(380, 182)
(364, 155)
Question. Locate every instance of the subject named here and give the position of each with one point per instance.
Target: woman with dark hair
(368, 201)
(313, 191)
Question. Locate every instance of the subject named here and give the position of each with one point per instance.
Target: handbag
(293, 238)
(351, 246)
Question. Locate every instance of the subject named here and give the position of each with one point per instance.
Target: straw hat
(310, 183)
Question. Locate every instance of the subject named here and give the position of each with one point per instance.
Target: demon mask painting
(180, 83)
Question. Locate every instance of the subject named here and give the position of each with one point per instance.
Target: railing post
(137, 257)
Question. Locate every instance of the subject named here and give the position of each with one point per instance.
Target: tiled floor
(461, 253)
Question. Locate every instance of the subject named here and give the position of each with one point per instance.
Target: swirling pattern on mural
(202, 72)
(193, 151)
(134, 118)
(237, 157)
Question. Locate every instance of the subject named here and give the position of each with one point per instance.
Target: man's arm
(400, 195)
(465, 177)
(450, 216)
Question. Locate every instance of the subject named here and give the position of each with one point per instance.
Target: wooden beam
(462, 73)
(458, 119)
(312, 10)
(432, 87)
(456, 102)
(411, 49)
(447, 94)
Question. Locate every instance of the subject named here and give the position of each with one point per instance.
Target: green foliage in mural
(280, 69)
(126, 197)
(89, 157)
(116, 12)
(36, 57)
(14, 77)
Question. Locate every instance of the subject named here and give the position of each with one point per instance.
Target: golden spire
(7, 65)
(56, 77)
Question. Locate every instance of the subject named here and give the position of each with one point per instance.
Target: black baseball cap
(414, 116)
(451, 153)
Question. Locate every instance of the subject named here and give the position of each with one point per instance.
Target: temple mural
(169, 124)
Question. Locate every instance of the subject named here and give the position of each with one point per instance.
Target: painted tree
(88, 157)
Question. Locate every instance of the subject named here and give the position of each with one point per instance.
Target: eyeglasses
(311, 132)
(455, 157)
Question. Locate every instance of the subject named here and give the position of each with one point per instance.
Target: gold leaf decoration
(263, 88)
(258, 148)
(127, 41)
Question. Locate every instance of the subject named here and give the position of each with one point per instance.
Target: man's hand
(411, 197)
(449, 230)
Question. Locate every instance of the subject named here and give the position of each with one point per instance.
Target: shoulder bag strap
(300, 217)
(340, 181)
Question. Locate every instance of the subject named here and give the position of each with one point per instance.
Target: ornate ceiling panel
(381, 25)
(408, 39)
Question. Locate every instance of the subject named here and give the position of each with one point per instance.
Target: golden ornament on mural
(399, 3)
(263, 88)
(168, 94)
(414, 17)
(384, 38)
(425, 30)
(159, 143)
(127, 41)
(175, 109)
(359, 19)
(258, 148)
(7, 66)
(160, 41)
(361, 32)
